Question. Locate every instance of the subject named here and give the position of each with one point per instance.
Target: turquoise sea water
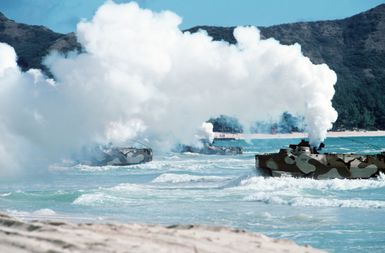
(336, 215)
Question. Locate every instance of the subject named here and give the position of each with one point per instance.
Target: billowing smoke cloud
(205, 132)
(141, 77)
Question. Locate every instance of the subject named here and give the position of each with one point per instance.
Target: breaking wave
(296, 184)
(57, 196)
(40, 213)
(315, 193)
(282, 191)
(125, 193)
(95, 199)
(186, 178)
(315, 201)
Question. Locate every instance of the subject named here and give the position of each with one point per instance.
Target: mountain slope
(353, 47)
(32, 42)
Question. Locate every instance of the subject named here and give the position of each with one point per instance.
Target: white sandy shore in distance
(299, 135)
(48, 236)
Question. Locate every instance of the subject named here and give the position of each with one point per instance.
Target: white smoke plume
(206, 132)
(140, 76)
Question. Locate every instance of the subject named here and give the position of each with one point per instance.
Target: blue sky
(63, 15)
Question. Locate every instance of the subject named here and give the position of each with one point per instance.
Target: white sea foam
(44, 212)
(41, 213)
(120, 194)
(95, 199)
(16, 213)
(296, 184)
(310, 192)
(315, 201)
(283, 191)
(186, 178)
(187, 163)
(128, 188)
(88, 168)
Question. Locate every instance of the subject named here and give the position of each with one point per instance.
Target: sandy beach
(18, 236)
(293, 135)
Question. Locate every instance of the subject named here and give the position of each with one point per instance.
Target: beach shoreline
(18, 236)
(297, 135)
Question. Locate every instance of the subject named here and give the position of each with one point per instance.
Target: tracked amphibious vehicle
(118, 156)
(212, 150)
(208, 148)
(302, 160)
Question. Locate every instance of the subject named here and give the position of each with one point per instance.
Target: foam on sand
(40, 213)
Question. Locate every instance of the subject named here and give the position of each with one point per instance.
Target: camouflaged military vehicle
(119, 156)
(212, 150)
(302, 160)
(209, 148)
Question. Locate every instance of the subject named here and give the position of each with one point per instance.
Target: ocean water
(335, 215)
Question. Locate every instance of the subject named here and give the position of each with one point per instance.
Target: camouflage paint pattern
(211, 150)
(301, 161)
(123, 156)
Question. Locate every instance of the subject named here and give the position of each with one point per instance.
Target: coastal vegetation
(353, 47)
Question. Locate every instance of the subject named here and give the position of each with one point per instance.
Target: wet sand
(18, 236)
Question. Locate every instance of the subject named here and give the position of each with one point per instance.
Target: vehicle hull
(303, 163)
(121, 156)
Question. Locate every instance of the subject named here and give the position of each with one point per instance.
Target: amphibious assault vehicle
(302, 160)
(119, 156)
(212, 150)
(208, 148)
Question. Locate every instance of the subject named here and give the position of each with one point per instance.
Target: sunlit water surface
(336, 215)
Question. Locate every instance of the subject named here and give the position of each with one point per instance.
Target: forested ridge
(353, 47)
